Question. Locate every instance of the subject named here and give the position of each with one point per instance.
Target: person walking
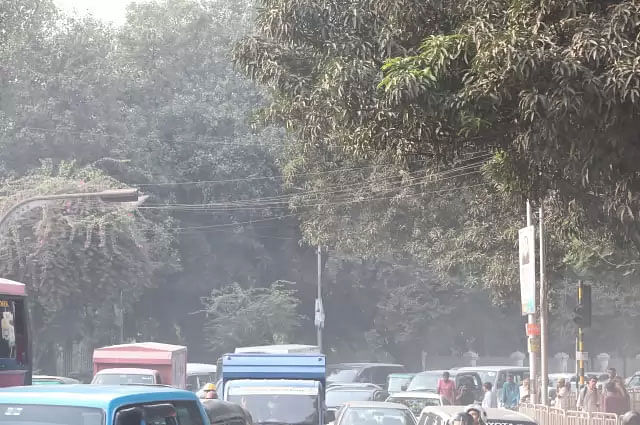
(524, 391)
(589, 397)
(447, 388)
(510, 394)
(623, 390)
(614, 401)
(466, 396)
(563, 394)
(489, 400)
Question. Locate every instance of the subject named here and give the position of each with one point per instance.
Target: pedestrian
(589, 397)
(210, 392)
(447, 388)
(614, 401)
(510, 394)
(563, 394)
(478, 414)
(630, 418)
(489, 400)
(465, 396)
(524, 391)
(623, 390)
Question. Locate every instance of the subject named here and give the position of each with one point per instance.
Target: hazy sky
(108, 10)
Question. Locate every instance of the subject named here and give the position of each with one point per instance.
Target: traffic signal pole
(544, 315)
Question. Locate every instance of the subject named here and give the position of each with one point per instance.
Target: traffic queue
(152, 384)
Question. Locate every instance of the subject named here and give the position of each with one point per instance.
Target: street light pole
(319, 300)
(115, 195)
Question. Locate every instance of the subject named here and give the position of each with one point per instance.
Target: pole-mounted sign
(527, 245)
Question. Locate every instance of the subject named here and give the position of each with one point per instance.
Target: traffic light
(582, 312)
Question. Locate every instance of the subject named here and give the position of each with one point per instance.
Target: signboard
(534, 344)
(527, 245)
(319, 314)
(582, 355)
(533, 329)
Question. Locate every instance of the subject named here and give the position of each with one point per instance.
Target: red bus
(15, 342)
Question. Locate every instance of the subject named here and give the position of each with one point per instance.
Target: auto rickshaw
(225, 413)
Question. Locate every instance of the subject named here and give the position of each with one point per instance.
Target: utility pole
(544, 314)
(580, 342)
(121, 316)
(531, 319)
(319, 307)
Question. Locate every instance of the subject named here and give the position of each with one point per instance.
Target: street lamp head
(119, 195)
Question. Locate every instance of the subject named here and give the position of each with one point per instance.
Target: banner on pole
(527, 245)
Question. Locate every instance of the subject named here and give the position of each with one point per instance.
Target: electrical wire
(283, 199)
(326, 204)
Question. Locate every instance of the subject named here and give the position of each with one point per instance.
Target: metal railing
(545, 415)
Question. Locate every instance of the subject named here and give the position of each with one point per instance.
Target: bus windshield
(13, 327)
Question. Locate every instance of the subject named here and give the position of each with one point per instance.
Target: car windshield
(341, 375)
(340, 397)
(24, 414)
(276, 409)
(415, 404)
(377, 416)
(425, 381)
(122, 379)
(487, 375)
(396, 382)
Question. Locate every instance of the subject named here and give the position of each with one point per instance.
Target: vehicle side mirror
(329, 416)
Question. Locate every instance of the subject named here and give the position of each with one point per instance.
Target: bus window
(13, 335)
(7, 326)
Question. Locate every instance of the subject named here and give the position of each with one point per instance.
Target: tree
(77, 256)
(239, 317)
(395, 104)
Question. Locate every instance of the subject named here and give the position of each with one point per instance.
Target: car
(374, 412)
(52, 380)
(375, 373)
(126, 376)
(633, 382)
(200, 374)
(428, 381)
(338, 394)
(443, 415)
(417, 400)
(398, 381)
(99, 405)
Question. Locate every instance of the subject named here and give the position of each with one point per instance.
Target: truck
(277, 389)
(141, 363)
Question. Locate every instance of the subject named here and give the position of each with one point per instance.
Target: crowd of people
(609, 397)
(613, 397)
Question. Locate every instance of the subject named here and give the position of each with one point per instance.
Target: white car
(417, 400)
(374, 412)
(443, 415)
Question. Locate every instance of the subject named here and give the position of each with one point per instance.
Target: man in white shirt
(490, 399)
